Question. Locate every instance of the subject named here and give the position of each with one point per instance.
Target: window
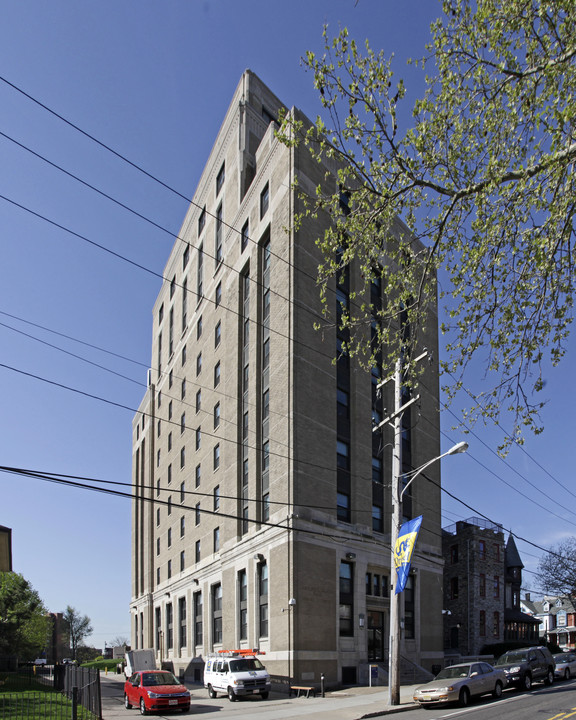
(482, 623)
(454, 554)
(245, 237)
(218, 237)
(161, 314)
(243, 604)
(218, 297)
(216, 457)
(169, 537)
(377, 520)
(170, 410)
(198, 438)
(197, 476)
(346, 600)
(183, 457)
(198, 618)
(183, 389)
(172, 287)
(496, 586)
(197, 551)
(169, 569)
(217, 334)
(482, 549)
(158, 614)
(496, 626)
(159, 428)
(170, 378)
(157, 517)
(217, 613)
(169, 441)
(157, 488)
(377, 475)
(184, 355)
(376, 585)
(199, 328)
(216, 415)
(217, 374)
(158, 458)
(169, 473)
(182, 423)
(217, 497)
(182, 526)
(169, 509)
(184, 304)
(216, 539)
(201, 221)
(158, 576)
(198, 400)
(159, 363)
(182, 492)
(185, 257)
(482, 590)
(220, 178)
(197, 514)
(497, 552)
(198, 364)
(343, 506)
(264, 200)
(157, 546)
(409, 607)
(182, 561)
(182, 620)
(454, 588)
(263, 599)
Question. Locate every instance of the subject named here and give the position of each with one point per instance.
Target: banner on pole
(403, 551)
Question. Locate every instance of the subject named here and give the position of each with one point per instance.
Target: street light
(397, 494)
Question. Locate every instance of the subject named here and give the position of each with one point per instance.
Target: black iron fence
(69, 693)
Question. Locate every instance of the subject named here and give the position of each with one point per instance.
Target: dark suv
(527, 665)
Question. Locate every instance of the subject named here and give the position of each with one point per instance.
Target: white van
(236, 673)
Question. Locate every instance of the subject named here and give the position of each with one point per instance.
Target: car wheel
(527, 682)
(497, 693)
(264, 695)
(464, 698)
(567, 674)
(127, 703)
(231, 695)
(142, 707)
(211, 692)
(549, 677)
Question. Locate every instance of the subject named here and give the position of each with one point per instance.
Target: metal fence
(79, 698)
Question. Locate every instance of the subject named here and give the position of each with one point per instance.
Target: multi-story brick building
(262, 516)
(482, 581)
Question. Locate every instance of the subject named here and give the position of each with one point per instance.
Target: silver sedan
(565, 666)
(458, 683)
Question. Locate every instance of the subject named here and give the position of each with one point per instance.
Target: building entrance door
(376, 636)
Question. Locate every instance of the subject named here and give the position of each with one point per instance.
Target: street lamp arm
(458, 448)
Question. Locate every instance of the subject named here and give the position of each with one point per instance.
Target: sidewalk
(350, 704)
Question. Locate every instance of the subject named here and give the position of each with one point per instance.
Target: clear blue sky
(152, 80)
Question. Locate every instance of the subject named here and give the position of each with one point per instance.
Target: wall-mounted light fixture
(350, 556)
(259, 557)
(361, 620)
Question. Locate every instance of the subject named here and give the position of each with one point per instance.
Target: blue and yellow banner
(403, 550)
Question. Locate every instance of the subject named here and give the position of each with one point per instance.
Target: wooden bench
(302, 688)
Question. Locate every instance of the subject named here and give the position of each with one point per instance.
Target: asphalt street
(351, 704)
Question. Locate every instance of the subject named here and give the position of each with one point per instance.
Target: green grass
(103, 664)
(22, 695)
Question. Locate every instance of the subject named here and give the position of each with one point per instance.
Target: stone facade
(259, 521)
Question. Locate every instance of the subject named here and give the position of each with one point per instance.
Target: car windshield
(559, 659)
(512, 657)
(164, 678)
(245, 665)
(456, 671)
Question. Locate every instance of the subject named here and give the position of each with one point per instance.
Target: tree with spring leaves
(482, 173)
(24, 623)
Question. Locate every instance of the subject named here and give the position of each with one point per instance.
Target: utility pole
(396, 517)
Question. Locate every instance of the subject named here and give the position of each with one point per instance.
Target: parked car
(565, 665)
(155, 690)
(458, 683)
(526, 666)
